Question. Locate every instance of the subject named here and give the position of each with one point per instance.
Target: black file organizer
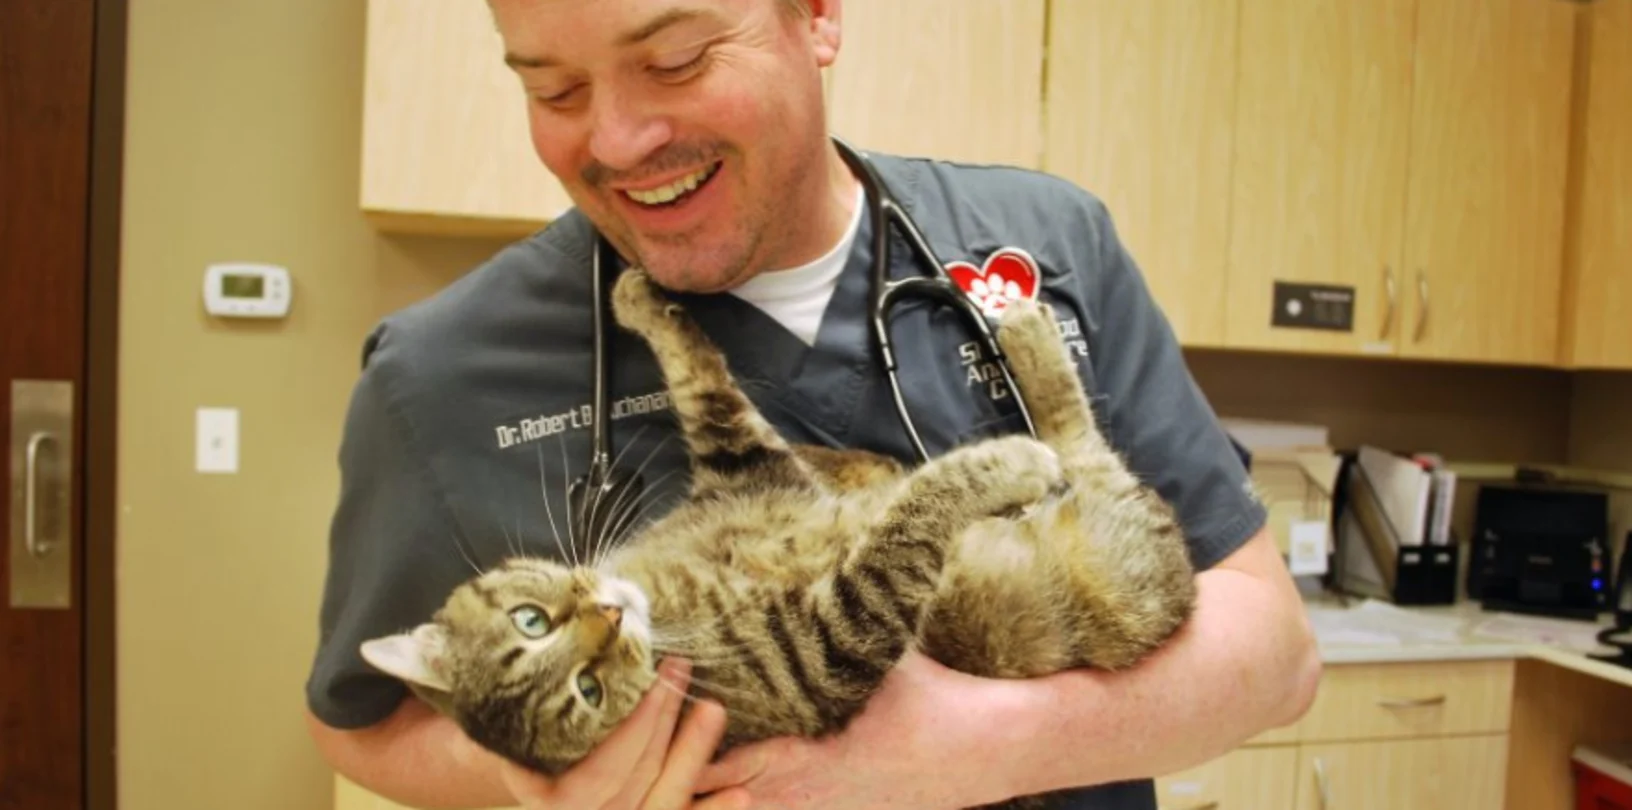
(1421, 574)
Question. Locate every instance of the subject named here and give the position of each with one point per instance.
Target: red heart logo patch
(1007, 275)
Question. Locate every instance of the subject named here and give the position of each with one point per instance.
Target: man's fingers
(734, 768)
(699, 737)
(600, 776)
(639, 781)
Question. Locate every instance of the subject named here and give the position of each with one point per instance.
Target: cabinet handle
(1322, 785)
(1388, 314)
(1411, 703)
(1422, 293)
(31, 497)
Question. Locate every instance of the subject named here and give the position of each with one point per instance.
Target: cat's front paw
(638, 304)
(1025, 473)
(1026, 327)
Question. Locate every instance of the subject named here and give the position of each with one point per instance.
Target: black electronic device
(1619, 635)
(1541, 551)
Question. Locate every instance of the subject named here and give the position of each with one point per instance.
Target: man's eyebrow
(652, 28)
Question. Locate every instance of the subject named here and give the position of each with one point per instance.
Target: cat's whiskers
(628, 486)
(620, 529)
(566, 493)
(465, 554)
(544, 493)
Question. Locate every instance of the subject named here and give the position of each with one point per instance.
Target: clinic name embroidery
(982, 370)
(539, 427)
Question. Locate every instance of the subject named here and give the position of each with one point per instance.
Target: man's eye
(681, 64)
(559, 98)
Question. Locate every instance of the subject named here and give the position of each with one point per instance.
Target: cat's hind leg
(869, 610)
(731, 444)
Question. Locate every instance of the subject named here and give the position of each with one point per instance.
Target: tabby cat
(795, 577)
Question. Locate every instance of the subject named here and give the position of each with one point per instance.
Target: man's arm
(1244, 663)
(415, 757)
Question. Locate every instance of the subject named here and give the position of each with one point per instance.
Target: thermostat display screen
(243, 286)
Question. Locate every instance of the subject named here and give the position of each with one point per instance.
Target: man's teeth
(668, 193)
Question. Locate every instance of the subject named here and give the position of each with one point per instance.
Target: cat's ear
(413, 657)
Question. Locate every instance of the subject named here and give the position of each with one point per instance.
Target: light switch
(217, 440)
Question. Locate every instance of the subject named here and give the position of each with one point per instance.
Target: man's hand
(636, 768)
(918, 744)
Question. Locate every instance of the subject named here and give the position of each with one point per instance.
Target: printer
(1541, 551)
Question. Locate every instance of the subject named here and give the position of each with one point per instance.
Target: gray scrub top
(473, 406)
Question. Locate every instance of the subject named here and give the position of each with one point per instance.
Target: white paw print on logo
(993, 293)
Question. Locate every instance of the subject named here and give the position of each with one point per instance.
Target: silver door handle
(1422, 293)
(31, 496)
(1411, 703)
(1388, 314)
(1322, 784)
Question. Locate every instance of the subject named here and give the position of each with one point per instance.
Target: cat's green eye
(590, 688)
(531, 621)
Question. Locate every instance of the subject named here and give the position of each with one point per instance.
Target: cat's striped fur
(796, 577)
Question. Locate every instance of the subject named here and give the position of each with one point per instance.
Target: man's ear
(826, 33)
(414, 657)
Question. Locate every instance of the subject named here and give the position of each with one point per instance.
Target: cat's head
(536, 661)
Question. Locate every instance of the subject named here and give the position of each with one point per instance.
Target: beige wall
(242, 144)
(242, 137)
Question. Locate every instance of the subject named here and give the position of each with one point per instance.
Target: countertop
(1370, 631)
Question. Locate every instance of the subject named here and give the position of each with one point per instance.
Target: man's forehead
(537, 30)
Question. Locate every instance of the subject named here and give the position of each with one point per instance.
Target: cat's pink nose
(613, 613)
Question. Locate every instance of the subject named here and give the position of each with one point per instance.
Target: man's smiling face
(691, 132)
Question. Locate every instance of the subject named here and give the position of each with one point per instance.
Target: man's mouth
(674, 192)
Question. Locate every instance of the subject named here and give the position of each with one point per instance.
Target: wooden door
(1248, 778)
(1139, 101)
(1598, 304)
(1490, 119)
(959, 80)
(53, 403)
(1444, 773)
(1318, 191)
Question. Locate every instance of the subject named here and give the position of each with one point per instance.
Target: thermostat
(246, 290)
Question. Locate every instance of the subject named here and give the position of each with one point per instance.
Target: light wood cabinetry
(1485, 204)
(1246, 778)
(1377, 735)
(1452, 773)
(446, 147)
(1451, 161)
(965, 84)
(1414, 152)
(1598, 299)
(1139, 102)
(1322, 135)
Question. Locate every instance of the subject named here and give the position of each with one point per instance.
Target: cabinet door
(1490, 124)
(1598, 310)
(1140, 98)
(953, 79)
(1322, 122)
(1444, 773)
(445, 139)
(1244, 779)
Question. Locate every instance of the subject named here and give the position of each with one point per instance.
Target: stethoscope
(589, 493)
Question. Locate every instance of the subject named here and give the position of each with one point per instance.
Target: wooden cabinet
(1377, 735)
(965, 84)
(1598, 299)
(1414, 152)
(1246, 778)
(1490, 118)
(1452, 773)
(1322, 135)
(1139, 112)
(446, 147)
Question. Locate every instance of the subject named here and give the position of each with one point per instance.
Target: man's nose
(626, 130)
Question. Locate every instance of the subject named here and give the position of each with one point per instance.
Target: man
(691, 134)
